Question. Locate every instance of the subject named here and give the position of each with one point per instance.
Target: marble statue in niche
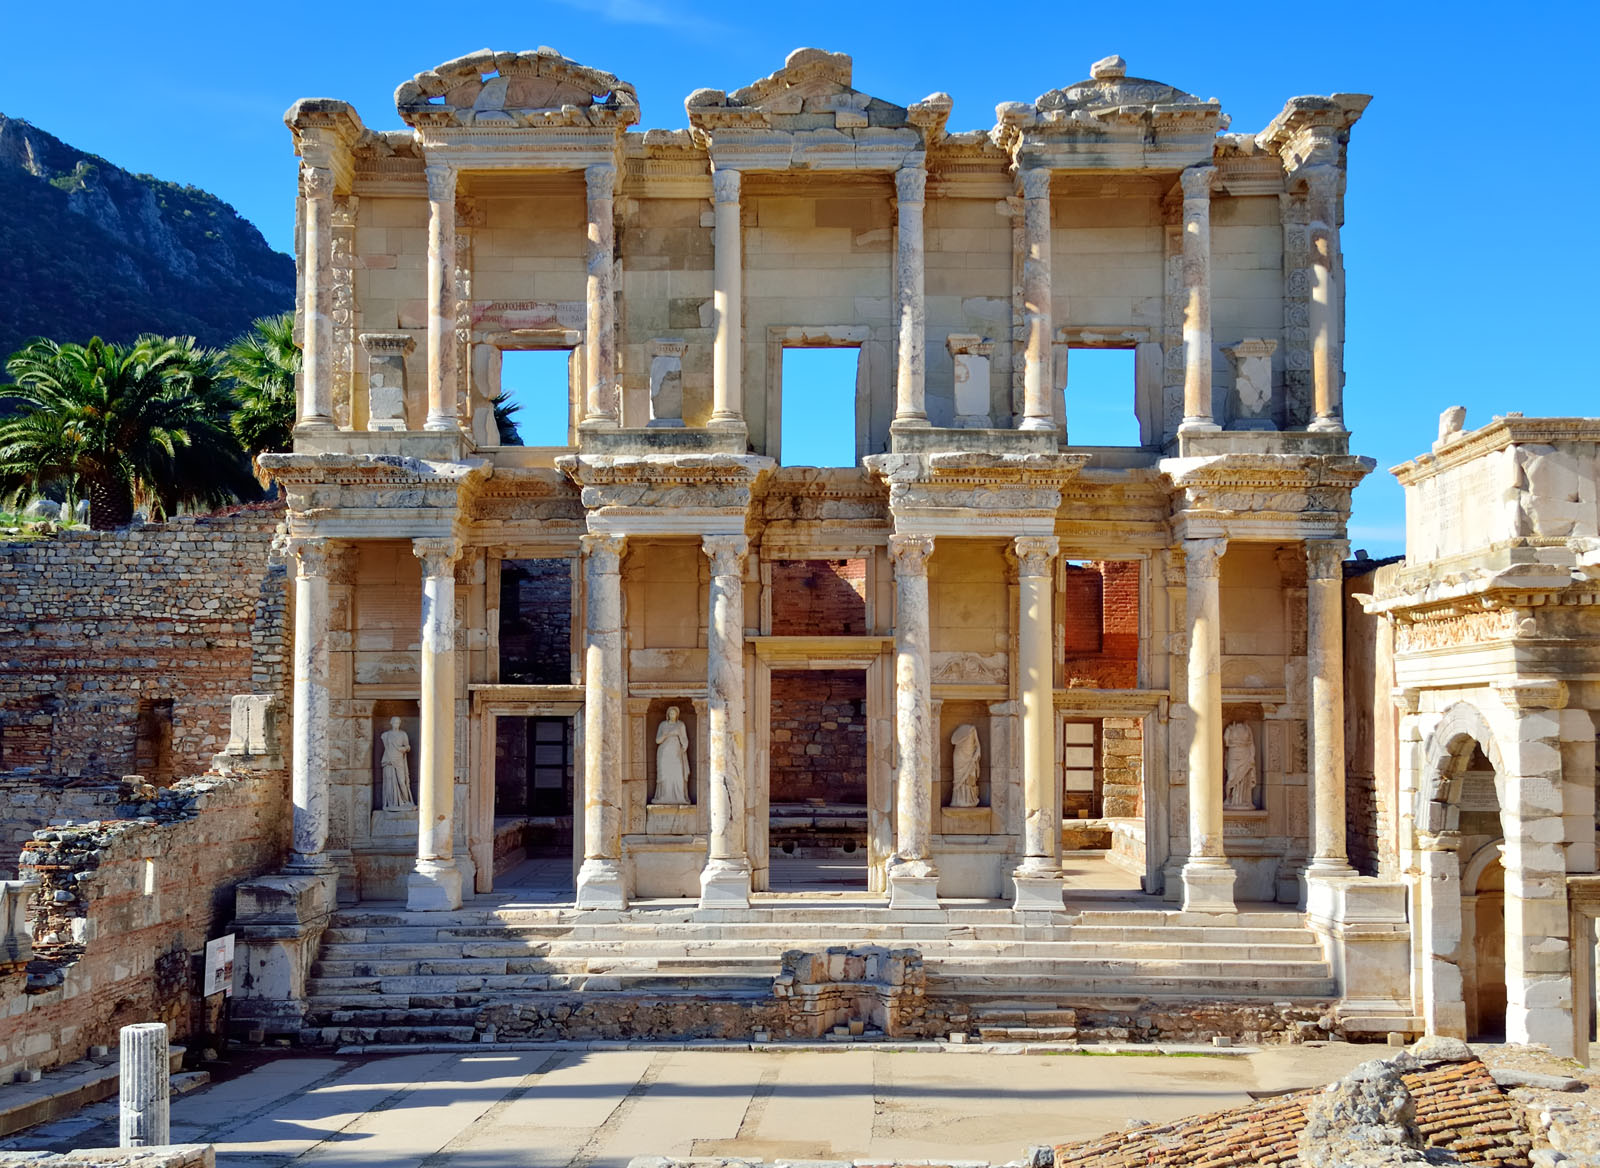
(1242, 780)
(672, 761)
(964, 766)
(396, 768)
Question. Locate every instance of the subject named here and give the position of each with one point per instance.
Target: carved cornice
(1497, 435)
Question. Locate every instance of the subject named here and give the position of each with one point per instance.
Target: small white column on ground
(1038, 878)
(436, 882)
(145, 1085)
(910, 408)
(602, 406)
(443, 409)
(1207, 876)
(1327, 357)
(316, 373)
(725, 880)
(1037, 411)
(311, 709)
(1325, 674)
(1197, 299)
(600, 879)
(913, 878)
(727, 361)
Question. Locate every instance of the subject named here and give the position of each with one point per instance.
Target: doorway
(534, 774)
(817, 775)
(1483, 933)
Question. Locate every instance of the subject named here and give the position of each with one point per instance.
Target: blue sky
(1473, 173)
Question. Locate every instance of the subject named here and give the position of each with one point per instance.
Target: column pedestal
(1208, 878)
(913, 879)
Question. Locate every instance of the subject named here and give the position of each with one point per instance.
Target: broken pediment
(536, 88)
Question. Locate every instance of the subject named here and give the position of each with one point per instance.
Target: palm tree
(142, 424)
(262, 365)
(505, 421)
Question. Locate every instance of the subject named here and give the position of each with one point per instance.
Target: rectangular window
(536, 405)
(818, 425)
(1101, 396)
(536, 622)
(1080, 769)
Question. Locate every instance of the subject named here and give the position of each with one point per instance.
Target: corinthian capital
(726, 553)
(910, 184)
(604, 552)
(1202, 558)
(1325, 558)
(1033, 554)
(725, 185)
(438, 556)
(1197, 181)
(1036, 184)
(600, 181)
(441, 182)
(316, 182)
(910, 554)
(313, 557)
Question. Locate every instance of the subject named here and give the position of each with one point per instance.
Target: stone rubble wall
(188, 612)
(124, 909)
(169, 1156)
(32, 802)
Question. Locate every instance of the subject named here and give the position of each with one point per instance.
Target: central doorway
(535, 796)
(817, 775)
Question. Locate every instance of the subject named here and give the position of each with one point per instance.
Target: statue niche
(965, 766)
(672, 762)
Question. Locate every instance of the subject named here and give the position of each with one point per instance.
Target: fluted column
(600, 879)
(436, 882)
(1197, 299)
(1037, 411)
(1325, 673)
(913, 878)
(725, 881)
(316, 372)
(1207, 876)
(443, 409)
(727, 361)
(910, 407)
(1327, 356)
(311, 709)
(1038, 878)
(602, 406)
(145, 1086)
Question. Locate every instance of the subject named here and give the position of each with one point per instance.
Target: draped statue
(964, 766)
(672, 761)
(395, 765)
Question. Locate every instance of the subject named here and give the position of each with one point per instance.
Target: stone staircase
(389, 976)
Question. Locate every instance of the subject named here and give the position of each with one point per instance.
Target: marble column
(600, 879)
(443, 409)
(436, 882)
(910, 407)
(316, 373)
(602, 406)
(1327, 357)
(1207, 876)
(1038, 878)
(913, 878)
(725, 880)
(1325, 678)
(309, 760)
(727, 360)
(1037, 411)
(1197, 300)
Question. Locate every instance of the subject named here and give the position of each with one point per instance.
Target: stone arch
(1446, 754)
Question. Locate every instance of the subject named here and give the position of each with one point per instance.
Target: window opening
(535, 399)
(1101, 396)
(536, 622)
(819, 407)
(1080, 769)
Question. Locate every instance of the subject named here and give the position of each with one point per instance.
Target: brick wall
(1100, 624)
(819, 736)
(819, 598)
(1371, 732)
(103, 627)
(536, 622)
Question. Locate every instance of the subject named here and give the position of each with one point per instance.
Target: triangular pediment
(813, 90)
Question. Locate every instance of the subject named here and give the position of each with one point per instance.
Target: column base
(725, 884)
(600, 885)
(1319, 872)
(727, 422)
(1037, 424)
(1198, 426)
(318, 864)
(434, 887)
(442, 425)
(1326, 426)
(1208, 885)
(913, 884)
(1037, 890)
(910, 422)
(315, 425)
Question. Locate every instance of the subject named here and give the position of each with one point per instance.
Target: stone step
(947, 969)
(352, 1034)
(349, 990)
(1028, 1033)
(1010, 986)
(335, 965)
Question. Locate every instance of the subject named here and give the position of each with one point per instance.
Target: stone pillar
(1197, 300)
(145, 1084)
(16, 938)
(725, 881)
(1325, 681)
(600, 879)
(436, 882)
(1038, 878)
(910, 407)
(443, 409)
(311, 708)
(913, 879)
(1207, 876)
(1327, 355)
(727, 362)
(602, 407)
(1037, 411)
(1444, 1010)
(316, 371)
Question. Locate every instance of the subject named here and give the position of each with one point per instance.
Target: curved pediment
(540, 87)
(1109, 88)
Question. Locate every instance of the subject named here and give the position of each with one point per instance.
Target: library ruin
(1043, 735)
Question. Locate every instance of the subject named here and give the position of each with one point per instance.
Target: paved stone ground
(598, 1109)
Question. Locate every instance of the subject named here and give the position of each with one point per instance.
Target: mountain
(88, 249)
